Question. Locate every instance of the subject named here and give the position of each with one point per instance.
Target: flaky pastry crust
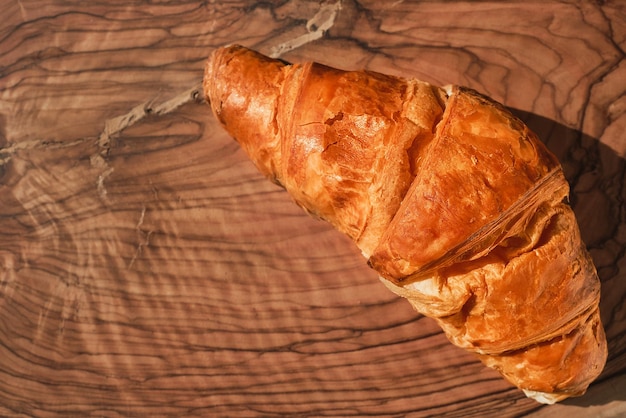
(453, 201)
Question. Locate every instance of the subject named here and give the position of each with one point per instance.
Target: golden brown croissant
(453, 201)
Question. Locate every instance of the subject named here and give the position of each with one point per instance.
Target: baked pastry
(452, 200)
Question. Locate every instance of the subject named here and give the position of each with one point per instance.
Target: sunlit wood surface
(147, 269)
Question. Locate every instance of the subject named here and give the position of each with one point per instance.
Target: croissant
(454, 202)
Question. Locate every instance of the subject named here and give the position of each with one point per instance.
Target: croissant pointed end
(243, 88)
(544, 398)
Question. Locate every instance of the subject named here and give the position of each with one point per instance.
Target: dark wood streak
(147, 269)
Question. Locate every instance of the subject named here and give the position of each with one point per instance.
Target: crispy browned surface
(234, 104)
(482, 163)
(460, 202)
(347, 155)
(554, 366)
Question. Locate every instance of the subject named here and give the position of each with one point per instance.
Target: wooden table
(147, 269)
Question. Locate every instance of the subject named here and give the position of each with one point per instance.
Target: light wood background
(147, 269)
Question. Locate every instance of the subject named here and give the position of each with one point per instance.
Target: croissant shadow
(596, 174)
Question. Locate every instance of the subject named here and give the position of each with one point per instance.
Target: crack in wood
(7, 153)
(143, 235)
(316, 27)
(114, 126)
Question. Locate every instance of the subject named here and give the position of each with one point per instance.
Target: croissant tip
(543, 397)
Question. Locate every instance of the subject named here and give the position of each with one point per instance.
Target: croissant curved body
(453, 201)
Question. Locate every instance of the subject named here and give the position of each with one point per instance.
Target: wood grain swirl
(146, 269)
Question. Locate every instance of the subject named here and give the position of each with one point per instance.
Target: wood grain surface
(147, 269)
